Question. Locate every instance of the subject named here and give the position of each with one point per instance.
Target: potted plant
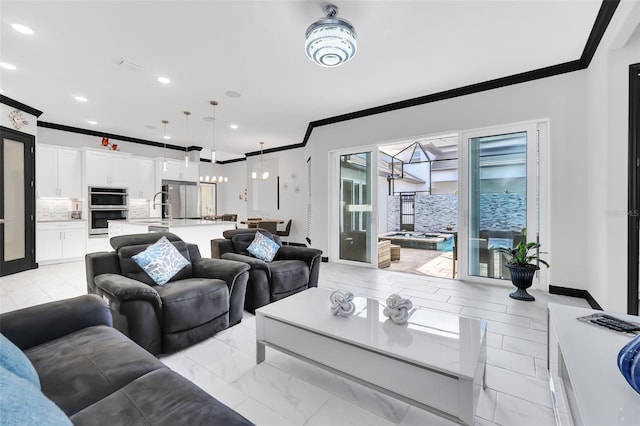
(522, 270)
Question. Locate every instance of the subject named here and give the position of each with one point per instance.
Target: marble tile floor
(286, 391)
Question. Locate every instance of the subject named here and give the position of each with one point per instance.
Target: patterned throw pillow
(161, 261)
(264, 248)
(14, 360)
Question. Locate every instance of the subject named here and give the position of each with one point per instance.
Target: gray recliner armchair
(204, 297)
(292, 270)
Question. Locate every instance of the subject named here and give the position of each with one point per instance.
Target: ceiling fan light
(331, 41)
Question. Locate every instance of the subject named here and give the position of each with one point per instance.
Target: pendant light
(213, 179)
(263, 175)
(164, 136)
(213, 139)
(186, 152)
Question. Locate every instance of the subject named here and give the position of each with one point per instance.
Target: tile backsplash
(57, 209)
(139, 209)
(60, 209)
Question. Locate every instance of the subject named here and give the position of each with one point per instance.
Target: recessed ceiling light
(23, 29)
(233, 126)
(92, 122)
(7, 66)
(232, 94)
(167, 137)
(80, 98)
(164, 80)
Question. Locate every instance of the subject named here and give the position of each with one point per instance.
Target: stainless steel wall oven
(101, 198)
(106, 204)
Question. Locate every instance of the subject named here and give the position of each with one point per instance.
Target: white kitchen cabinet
(143, 178)
(58, 172)
(108, 169)
(60, 241)
(176, 170)
(98, 243)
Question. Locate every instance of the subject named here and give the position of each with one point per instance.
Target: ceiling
(256, 48)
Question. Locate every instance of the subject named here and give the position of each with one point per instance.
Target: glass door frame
(537, 184)
(334, 204)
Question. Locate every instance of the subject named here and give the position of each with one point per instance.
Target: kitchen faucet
(168, 203)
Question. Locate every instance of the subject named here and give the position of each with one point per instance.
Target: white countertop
(62, 221)
(172, 223)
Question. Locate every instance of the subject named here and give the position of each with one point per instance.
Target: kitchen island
(196, 231)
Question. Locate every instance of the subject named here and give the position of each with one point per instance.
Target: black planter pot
(522, 278)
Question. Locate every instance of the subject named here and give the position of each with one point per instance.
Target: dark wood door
(17, 202)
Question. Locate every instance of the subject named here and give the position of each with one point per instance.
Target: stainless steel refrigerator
(183, 200)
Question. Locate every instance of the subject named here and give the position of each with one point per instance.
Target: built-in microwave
(108, 198)
(99, 219)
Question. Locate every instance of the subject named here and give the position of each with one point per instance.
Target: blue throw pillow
(15, 361)
(21, 403)
(161, 261)
(264, 248)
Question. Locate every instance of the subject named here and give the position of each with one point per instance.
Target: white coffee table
(436, 362)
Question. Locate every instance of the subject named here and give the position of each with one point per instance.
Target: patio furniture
(384, 254)
(395, 252)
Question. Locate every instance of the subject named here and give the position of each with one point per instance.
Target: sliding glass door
(352, 211)
(500, 197)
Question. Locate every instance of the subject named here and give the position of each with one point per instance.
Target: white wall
(561, 99)
(76, 140)
(29, 128)
(607, 148)
(383, 194)
(229, 193)
(292, 169)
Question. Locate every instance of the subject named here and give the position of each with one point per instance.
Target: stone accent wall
(434, 213)
(503, 211)
(393, 213)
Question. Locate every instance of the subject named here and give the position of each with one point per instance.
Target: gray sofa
(203, 298)
(96, 375)
(292, 270)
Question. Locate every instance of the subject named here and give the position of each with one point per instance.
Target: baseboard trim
(576, 292)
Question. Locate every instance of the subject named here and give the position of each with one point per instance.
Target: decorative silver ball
(397, 309)
(341, 303)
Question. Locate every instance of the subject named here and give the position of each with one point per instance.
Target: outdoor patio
(424, 262)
